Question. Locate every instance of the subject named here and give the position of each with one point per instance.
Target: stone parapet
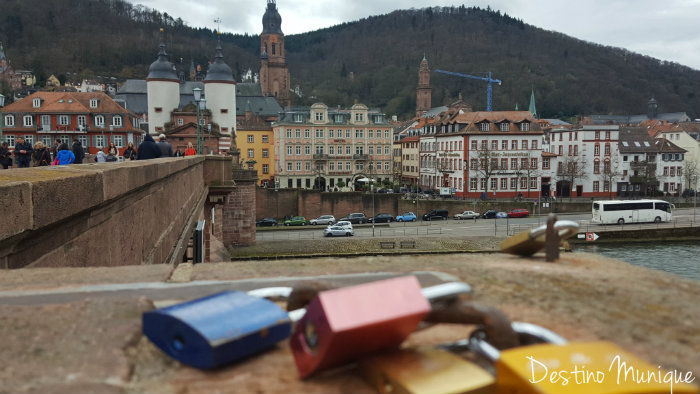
(98, 214)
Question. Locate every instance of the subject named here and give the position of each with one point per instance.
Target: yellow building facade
(256, 141)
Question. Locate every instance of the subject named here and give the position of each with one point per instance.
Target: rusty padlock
(219, 329)
(347, 323)
(577, 368)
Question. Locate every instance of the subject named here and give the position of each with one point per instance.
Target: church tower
(423, 91)
(220, 93)
(274, 74)
(163, 90)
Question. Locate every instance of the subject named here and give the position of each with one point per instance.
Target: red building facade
(92, 118)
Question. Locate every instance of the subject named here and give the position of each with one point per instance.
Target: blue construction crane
(488, 79)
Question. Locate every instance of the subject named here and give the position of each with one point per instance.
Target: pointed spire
(532, 108)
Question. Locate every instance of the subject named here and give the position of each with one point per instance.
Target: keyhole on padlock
(178, 343)
(310, 336)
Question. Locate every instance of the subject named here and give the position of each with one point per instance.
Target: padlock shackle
(538, 332)
(445, 291)
(565, 228)
(272, 292)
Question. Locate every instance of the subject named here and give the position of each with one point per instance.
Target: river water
(679, 258)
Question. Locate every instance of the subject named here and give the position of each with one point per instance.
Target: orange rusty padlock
(576, 368)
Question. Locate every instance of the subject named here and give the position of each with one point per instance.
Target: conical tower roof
(219, 70)
(162, 68)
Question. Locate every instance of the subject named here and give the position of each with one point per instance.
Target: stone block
(16, 207)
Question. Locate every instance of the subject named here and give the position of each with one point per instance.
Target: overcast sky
(666, 30)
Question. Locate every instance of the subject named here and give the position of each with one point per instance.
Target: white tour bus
(631, 211)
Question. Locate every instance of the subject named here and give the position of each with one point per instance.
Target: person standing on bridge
(148, 149)
(190, 151)
(166, 150)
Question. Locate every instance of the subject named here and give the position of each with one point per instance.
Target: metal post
(2, 119)
(199, 145)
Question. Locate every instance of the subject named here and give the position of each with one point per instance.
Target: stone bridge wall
(105, 214)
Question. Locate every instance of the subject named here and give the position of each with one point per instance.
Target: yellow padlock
(530, 242)
(580, 368)
(425, 370)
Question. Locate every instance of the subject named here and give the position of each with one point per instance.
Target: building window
(607, 149)
(513, 183)
(524, 144)
(606, 166)
(504, 164)
(27, 121)
(289, 166)
(93, 103)
(596, 150)
(29, 139)
(319, 133)
(534, 144)
(99, 141)
(523, 183)
(504, 126)
(473, 183)
(607, 135)
(545, 163)
(265, 169)
(575, 150)
(84, 141)
(251, 153)
(307, 133)
(265, 153)
(494, 145)
(63, 120)
(370, 133)
(289, 133)
(319, 116)
(10, 139)
(474, 147)
(533, 163)
(525, 126)
(298, 118)
(158, 109)
(265, 139)
(533, 183)
(99, 121)
(289, 150)
(513, 164)
(484, 126)
(251, 139)
(596, 166)
(596, 186)
(297, 133)
(36, 103)
(297, 150)
(494, 184)
(504, 183)
(118, 141)
(9, 121)
(514, 145)
(359, 117)
(359, 133)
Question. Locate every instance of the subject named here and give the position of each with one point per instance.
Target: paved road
(481, 227)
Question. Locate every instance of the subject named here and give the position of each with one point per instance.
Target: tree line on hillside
(374, 60)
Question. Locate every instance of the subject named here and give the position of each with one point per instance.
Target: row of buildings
(461, 152)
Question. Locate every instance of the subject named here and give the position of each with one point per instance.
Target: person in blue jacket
(64, 156)
(148, 149)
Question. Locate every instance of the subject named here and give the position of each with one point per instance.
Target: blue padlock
(218, 329)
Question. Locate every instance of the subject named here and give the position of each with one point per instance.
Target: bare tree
(571, 169)
(611, 172)
(484, 165)
(527, 170)
(690, 173)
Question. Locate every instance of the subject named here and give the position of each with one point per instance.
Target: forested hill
(374, 60)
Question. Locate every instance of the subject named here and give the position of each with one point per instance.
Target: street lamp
(2, 120)
(199, 103)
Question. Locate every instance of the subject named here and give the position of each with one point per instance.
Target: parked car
(436, 214)
(338, 231)
(356, 218)
(406, 217)
(467, 215)
(342, 223)
(490, 214)
(381, 218)
(518, 213)
(296, 221)
(323, 219)
(266, 222)
(501, 215)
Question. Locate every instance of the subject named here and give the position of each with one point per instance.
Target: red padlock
(347, 323)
